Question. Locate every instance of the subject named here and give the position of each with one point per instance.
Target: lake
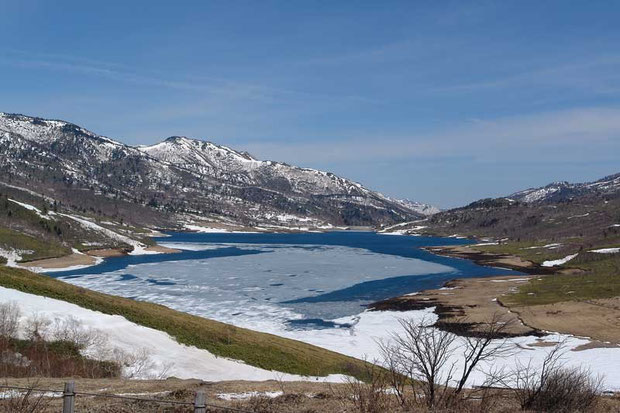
(279, 282)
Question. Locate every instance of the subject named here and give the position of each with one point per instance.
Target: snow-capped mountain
(182, 178)
(424, 209)
(559, 191)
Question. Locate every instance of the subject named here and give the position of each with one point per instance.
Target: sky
(440, 102)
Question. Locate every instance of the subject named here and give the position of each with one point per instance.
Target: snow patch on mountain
(424, 209)
(188, 176)
(565, 190)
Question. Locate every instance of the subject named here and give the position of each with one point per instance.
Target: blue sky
(442, 102)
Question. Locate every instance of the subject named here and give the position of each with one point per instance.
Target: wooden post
(200, 402)
(68, 398)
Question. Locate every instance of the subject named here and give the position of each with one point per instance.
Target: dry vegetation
(36, 347)
(421, 374)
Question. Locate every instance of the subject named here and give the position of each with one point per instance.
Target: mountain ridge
(564, 190)
(184, 179)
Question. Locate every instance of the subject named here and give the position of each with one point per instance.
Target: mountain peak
(175, 139)
(195, 179)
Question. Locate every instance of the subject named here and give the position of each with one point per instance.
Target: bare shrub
(397, 377)
(136, 364)
(553, 387)
(36, 327)
(371, 395)
(23, 401)
(57, 348)
(9, 320)
(279, 378)
(487, 343)
(432, 363)
(71, 330)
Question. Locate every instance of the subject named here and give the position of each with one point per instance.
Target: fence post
(68, 397)
(200, 402)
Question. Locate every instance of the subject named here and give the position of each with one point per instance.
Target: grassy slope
(258, 349)
(533, 251)
(601, 278)
(40, 249)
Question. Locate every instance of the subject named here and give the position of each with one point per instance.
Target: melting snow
(606, 250)
(31, 208)
(561, 261)
(165, 353)
(12, 256)
(249, 395)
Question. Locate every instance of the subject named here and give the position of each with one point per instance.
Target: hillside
(564, 191)
(261, 350)
(566, 235)
(587, 214)
(179, 180)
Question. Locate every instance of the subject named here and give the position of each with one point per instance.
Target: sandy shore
(490, 259)
(462, 303)
(67, 261)
(106, 252)
(88, 258)
(598, 319)
(162, 249)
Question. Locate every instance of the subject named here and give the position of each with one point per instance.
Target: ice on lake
(256, 290)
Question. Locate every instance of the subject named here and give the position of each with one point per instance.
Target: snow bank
(561, 261)
(606, 250)
(166, 354)
(11, 255)
(372, 326)
(248, 395)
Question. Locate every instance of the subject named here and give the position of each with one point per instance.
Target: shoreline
(79, 260)
(441, 303)
(462, 304)
(488, 259)
(89, 258)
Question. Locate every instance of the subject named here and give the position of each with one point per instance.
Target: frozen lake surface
(311, 287)
(276, 282)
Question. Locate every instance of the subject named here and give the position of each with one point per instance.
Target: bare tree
(72, 330)
(423, 353)
(431, 357)
(484, 345)
(370, 395)
(37, 327)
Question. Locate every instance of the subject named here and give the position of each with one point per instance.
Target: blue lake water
(271, 282)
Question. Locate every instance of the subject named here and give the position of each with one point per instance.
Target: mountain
(424, 209)
(562, 191)
(588, 213)
(180, 180)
